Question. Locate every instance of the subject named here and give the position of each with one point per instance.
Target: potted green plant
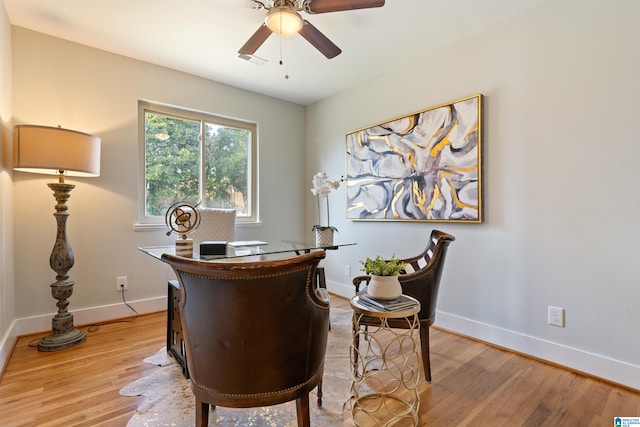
(384, 283)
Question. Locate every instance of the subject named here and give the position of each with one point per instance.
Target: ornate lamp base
(55, 342)
(63, 335)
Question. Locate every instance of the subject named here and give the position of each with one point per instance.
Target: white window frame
(146, 222)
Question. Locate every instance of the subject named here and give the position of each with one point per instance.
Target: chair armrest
(322, 295)
(358, 280)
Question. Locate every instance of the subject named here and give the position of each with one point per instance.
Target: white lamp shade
(282, 20)
(48, 150)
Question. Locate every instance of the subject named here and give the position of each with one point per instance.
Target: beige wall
(7, 296)
(561, 146)
(61, 83)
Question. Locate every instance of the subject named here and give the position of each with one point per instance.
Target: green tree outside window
(181, 166)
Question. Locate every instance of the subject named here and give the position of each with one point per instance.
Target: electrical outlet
(556, 316)
(121, 283)
(347, 270)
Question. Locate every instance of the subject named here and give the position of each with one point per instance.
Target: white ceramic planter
(384, 287)
(324, 237)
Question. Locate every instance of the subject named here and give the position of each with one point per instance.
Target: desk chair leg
(355, 348)
(424, 345)
(320, 393)
(302, 410)
(202, 414)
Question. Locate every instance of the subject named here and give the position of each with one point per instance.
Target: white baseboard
(342, 289)
(82, 316)
(592, 364)
(87, 316)
(596, 365)
(6, 346)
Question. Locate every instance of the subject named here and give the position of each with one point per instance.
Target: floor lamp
(57, 151)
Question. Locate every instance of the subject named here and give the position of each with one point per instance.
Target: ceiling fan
(283, 18)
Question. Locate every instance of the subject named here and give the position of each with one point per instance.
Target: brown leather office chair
(421, 280)
(255, 332)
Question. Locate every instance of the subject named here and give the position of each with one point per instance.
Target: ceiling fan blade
(319, 40)
(324, 6)
(255, 41)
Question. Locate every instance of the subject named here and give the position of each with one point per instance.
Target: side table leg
(386, 373)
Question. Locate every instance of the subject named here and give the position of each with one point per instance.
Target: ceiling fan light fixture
(283, 20)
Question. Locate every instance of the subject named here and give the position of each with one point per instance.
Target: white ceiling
(202, 37)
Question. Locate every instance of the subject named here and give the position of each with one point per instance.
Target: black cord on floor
(96, 326)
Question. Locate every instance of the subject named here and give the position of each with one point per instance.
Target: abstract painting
(425, 166)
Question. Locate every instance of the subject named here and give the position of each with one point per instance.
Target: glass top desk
(238, 249)
(245, 248)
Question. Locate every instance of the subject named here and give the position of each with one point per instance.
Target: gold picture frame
(424, 166)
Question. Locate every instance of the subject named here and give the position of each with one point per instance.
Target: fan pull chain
(282, 61)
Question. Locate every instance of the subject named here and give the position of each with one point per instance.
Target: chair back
(423, 272)
(215, 224)
(255, 332)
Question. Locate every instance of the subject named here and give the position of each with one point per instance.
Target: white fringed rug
(169, 401)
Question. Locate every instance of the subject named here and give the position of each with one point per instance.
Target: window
(196, 157)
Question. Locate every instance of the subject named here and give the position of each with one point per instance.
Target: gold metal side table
(385, 366)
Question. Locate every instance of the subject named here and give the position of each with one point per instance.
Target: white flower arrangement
(321, 188)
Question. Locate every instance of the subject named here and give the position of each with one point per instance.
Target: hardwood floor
(79, 386)
(473, 384)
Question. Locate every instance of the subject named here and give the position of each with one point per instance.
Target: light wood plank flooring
(473, 384)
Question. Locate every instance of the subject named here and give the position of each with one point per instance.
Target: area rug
(169, 401)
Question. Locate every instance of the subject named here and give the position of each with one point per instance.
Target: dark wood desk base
(175, 340)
